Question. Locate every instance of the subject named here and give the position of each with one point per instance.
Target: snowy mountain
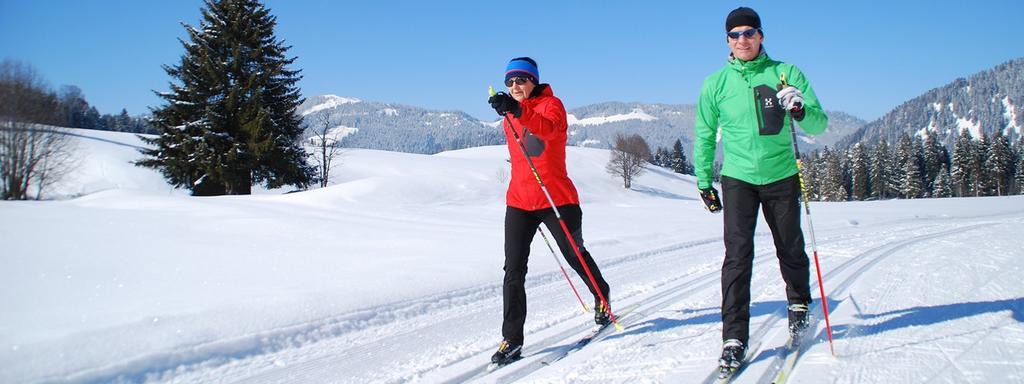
(662, 124)
(375, 125)
(986, 102)
(393, 273)
(394, 127)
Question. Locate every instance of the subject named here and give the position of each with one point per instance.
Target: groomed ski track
(672, 336)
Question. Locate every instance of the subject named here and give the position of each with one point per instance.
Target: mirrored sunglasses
(747, 33)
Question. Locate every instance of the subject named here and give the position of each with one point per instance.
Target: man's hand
(791, 98)
(711, 201)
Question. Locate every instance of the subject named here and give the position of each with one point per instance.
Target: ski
(595, 333)
(491, 367)
(792, 350)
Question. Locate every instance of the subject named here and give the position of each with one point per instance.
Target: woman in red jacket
(538, 117)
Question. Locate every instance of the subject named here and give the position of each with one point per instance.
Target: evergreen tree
(999, 164)
(809, 173)
(860, 178)
(230, 122)
(1019, 175)
(678, 161)
(963, 155)
(904, 154)
(881, 171)
(1019, 178)
(124, 121)
(942, 187)
(660, 156)
(911, 186)
(933, 160)
(831, 177)
(983, 184)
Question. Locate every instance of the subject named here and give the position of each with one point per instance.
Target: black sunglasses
(747, 33)
(516, 80)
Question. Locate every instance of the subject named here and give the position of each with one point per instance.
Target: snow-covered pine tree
(961, 173)
(933, 160)
(942, 187)
(903, 154)
(230, 120)
(1019, 178)
(911, 186)
(809, 173)
(983, 184)
(678, 160)
(860, 178)
(999, 164)
(661, 156)
(881, 171)
(831, 177)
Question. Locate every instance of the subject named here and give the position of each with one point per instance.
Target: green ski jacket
(738, 104)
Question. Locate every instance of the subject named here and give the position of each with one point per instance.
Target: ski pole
(586, 309)
(558, 215)
(810, 223)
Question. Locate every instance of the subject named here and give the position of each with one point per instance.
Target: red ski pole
(810, 223)
(586, 309)
(561, 222)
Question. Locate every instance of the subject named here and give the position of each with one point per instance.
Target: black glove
(504, 103)
(711, 201)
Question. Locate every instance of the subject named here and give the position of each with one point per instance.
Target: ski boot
(601, 317)
(732, 356)
(797, 318)
(507, 353)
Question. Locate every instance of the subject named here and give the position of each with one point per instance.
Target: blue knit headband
(522, 68)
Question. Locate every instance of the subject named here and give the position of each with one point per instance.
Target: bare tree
(628, 158)
(326, 147)
(33, 154)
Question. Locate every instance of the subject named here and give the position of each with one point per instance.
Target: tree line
(75, 112)
(630, 153)
(915, 168)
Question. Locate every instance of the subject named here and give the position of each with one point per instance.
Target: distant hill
(401, 128)
(661, 124)
(985, 102)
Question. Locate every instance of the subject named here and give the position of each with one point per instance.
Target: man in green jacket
(746, 104)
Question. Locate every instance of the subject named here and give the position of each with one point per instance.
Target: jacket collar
(744, 66)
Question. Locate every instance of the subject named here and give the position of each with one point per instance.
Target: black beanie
(742, 16)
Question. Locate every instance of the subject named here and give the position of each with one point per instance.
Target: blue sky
(863, 58)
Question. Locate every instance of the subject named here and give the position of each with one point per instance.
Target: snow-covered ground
(393, 275)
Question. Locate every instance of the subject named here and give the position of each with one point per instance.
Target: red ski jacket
(542, 127)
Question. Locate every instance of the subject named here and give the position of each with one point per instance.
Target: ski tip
(618, 327)
(490, 91)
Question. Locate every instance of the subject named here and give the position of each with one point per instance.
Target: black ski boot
(797, 318)
(732, 355)
(601, 314)
(507, 353)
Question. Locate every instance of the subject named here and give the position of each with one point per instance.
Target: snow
(973, 127)
(392, 274)
(1010, 114)
(331, 101)
(636, 114)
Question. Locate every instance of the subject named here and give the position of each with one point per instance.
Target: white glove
(791, 98)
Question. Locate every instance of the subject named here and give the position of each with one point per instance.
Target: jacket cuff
(799, 114)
